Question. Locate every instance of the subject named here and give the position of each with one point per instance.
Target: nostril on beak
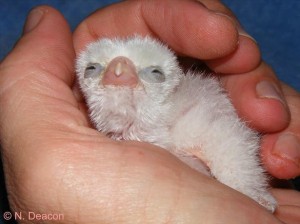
(118, 69)
(120, 72)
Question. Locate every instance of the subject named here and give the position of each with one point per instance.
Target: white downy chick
(135, 90)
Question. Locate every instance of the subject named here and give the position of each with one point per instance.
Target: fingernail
(226, 16)
(242, 32)
(240, 29)
(33, 19)
(266, 89)
(288, 146)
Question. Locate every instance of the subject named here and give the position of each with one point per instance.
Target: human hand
(54, 162)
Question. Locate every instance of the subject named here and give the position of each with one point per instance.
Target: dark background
(275, 24)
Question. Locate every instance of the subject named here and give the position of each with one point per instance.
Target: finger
(288, 214)
(254, 93)
(190, 29)
(288, 205)
(281, 151)
(246, 57)
(258, 99)
(287, 197)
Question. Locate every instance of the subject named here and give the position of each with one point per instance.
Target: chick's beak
(120, 72)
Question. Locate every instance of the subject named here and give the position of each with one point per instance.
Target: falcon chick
(135, 90)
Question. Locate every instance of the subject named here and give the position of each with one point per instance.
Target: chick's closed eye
(93, 70)
(152, 74)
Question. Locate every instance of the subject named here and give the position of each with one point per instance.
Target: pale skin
(55, 162)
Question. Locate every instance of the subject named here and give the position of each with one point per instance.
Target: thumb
(35, 93)
(39, 68)
(46, 44)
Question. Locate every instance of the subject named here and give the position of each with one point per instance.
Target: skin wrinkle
(61, 112)
(8, 138)
(60, 195)
(12, 82)
(181, 187)
(292, 102)
(70, 81)
(146, 203)
(45, 82)
(45, 51)
(16, 201)
(65, 68)
(83, 134)
(143, 204)
(118, 182)
(142, 10)
(60, 198)
(89, 35)
(216, 6)
(11, 182)
(90, 30)
(226, 64)
(38, 85)
(73, 172)
(107, 202)
(33, 87)
(177, 38)
(141, 21)
(173, 25)
(179, 192)
(22, 191)
(136, 15)
(195, 31)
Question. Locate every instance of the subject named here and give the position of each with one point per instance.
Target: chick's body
(189, 115)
